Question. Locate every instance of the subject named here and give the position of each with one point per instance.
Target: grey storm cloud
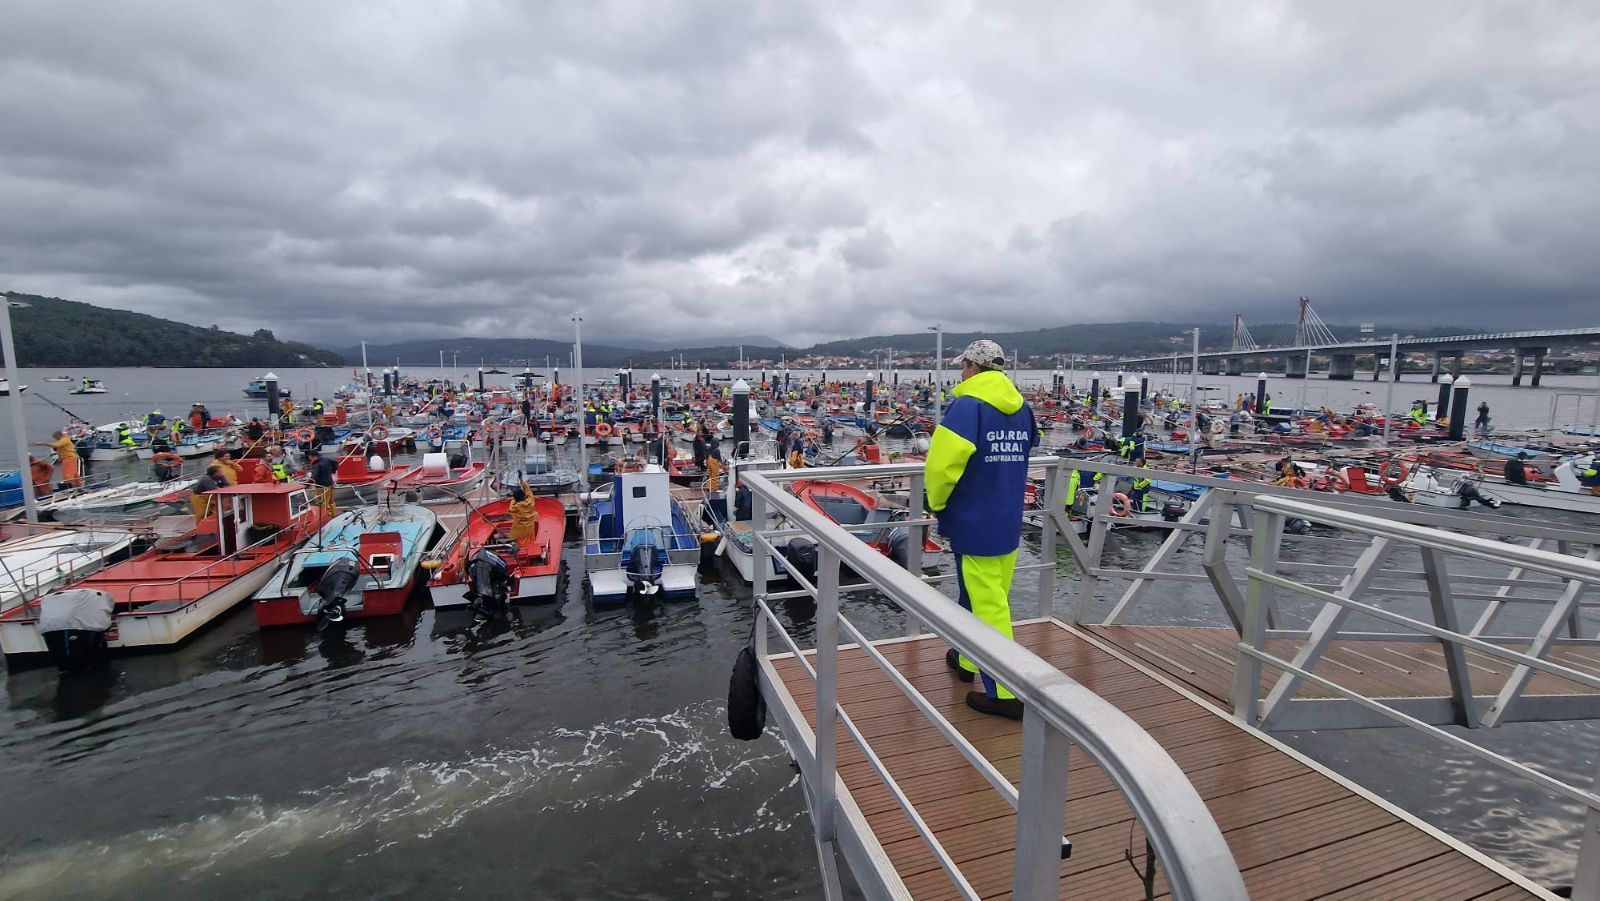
(686, 170)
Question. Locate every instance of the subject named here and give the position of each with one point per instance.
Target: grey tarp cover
(76, 608)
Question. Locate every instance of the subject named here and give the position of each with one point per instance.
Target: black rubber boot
(1010, 708)
(953, 660)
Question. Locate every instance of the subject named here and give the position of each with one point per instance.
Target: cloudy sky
(805, 170)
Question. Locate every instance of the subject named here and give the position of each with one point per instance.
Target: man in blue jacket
(976, 474)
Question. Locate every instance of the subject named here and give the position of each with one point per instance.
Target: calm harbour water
(580, 753)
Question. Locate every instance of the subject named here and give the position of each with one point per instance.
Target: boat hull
(149, 626)
(285, 611)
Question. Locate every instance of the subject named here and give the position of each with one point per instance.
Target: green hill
(55, 332)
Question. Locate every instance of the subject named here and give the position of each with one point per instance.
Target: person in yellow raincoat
(524, 513)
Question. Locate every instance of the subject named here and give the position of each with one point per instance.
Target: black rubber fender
(747, 709)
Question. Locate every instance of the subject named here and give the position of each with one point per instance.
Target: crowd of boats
(472, 492)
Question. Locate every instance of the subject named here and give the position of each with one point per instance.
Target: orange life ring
(1390, 466)
(305, 435)
(603, 430)
(378, 432)
(1121, 504)
(167, 458)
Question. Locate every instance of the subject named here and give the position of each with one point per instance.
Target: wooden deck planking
(1294, 831)
(1376, 669)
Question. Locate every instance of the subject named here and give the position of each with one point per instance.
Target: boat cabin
(243, 515)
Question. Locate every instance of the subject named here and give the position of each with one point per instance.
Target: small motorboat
(437, 480)
(637, 539)
(257, 388)
(848, 505)
(362, 563)
(485, 569)
(59, 378)
(5, 388)
(40, 563)
(128, 501)
(360, 479)
(172, 590)
(90, 386)
(1426, 485)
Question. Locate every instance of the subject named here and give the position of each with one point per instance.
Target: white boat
(5, 388)
(1566, 494)
(638, 540)
(37, 564)
(118, 502)
(166, 594)
(59, 378)
(1450, 490)
(732, 521)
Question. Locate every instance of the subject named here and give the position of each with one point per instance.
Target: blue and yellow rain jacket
(977, 468)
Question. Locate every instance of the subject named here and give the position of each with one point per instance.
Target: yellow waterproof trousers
(986, 591)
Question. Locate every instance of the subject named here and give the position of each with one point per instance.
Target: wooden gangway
(1145, 763)
(1296, 830)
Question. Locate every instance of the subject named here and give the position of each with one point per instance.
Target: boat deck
(1296, 830)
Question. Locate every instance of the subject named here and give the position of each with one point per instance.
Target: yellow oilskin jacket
(524, 516)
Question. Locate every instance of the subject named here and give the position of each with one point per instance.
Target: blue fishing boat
(257, 388)
(638, 541)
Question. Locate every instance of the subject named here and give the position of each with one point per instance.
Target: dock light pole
(1194, 402)
(1130, 416)
(938, 378)
(1442, 408)
(1388, 405)
(577, 363)
(274, 399)
(1094, 394)
(1144, 387)
(19, 426)
(1261, 394)
(480, 380)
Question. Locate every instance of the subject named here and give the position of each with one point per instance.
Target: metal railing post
(1098, 527)
(1586, 884)
(1247, 670)
(760, 563)
(915, 499)
(1041, 811)
(827, 686)
(1047, 540)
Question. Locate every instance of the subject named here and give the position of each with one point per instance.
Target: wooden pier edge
(1461, 847)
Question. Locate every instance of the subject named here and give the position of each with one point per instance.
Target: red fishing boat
(166, 594)
(531, 567)
(436, 479)
(848, 505)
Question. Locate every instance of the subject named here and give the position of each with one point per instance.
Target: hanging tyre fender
(747, 709)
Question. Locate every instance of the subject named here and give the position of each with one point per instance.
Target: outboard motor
(327, 601)
(488, 583)
(1398, 494)
(1172, 511)
(899, 542)
(801, 554)
(641, 569)
(1294, 525)
(73, 624)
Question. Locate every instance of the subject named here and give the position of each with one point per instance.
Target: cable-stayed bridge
(1313, 338)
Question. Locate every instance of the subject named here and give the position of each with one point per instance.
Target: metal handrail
(1181, 830)
(1563, 565)
(231, 558)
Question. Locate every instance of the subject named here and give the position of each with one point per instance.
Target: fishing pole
(75, 417)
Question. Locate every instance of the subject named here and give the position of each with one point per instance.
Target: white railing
(1437, 547)
(1058, 711)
